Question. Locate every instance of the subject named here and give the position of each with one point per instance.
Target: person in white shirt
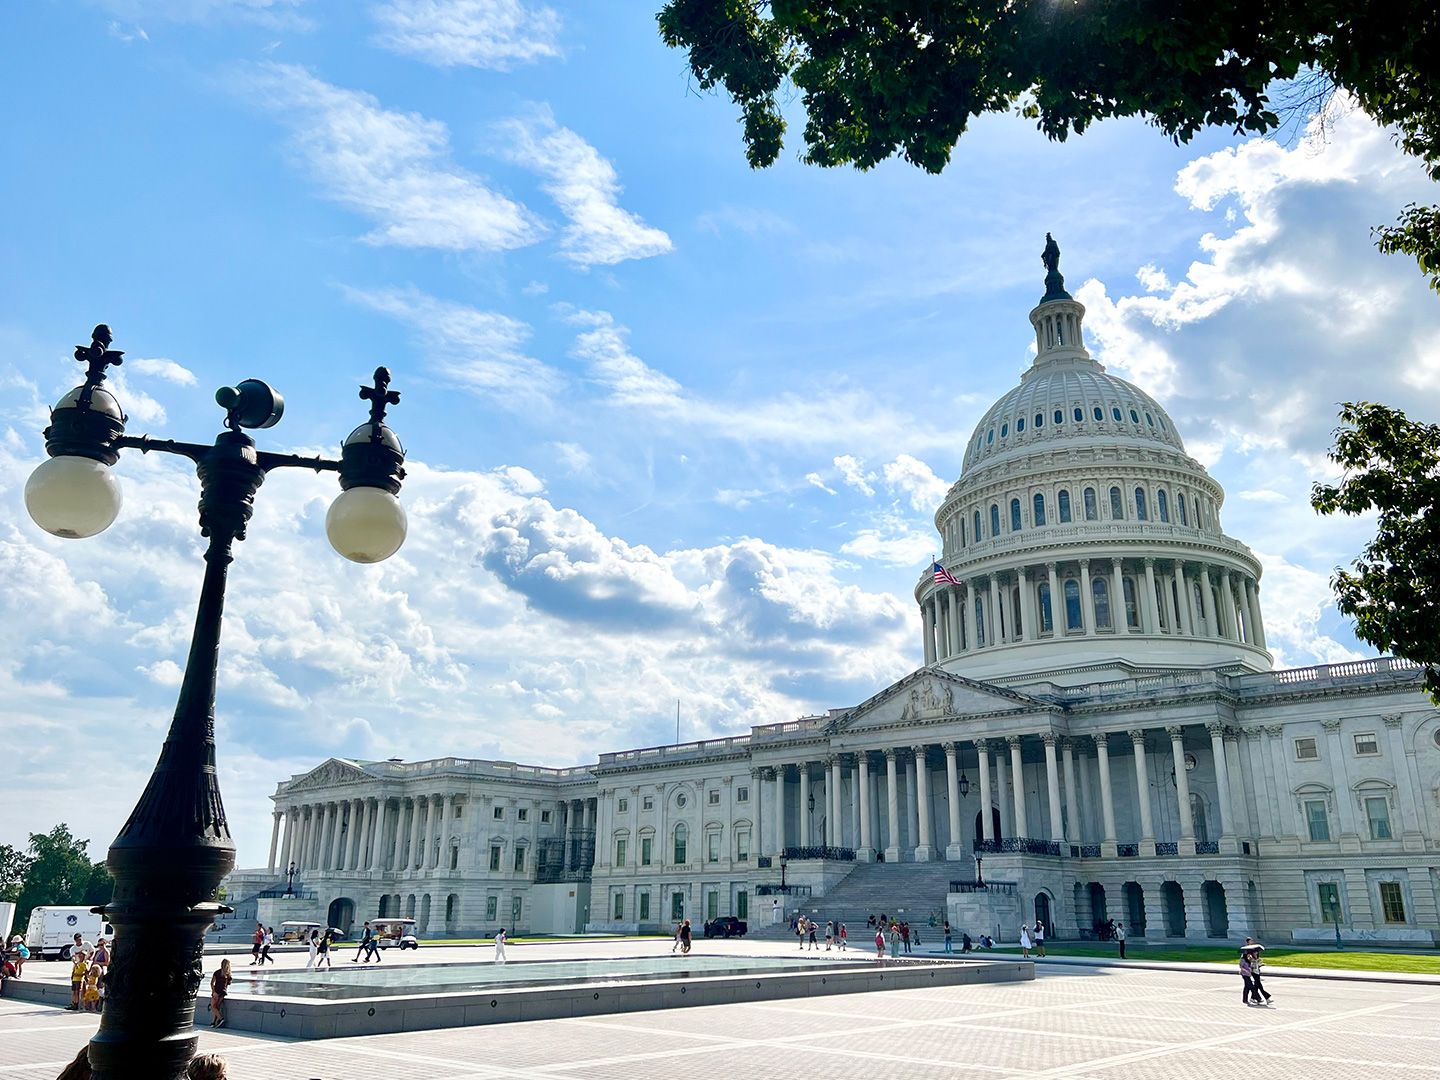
(1120, 937)
(500, 946)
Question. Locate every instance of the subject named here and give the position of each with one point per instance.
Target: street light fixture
(963, 785)
(172, 853)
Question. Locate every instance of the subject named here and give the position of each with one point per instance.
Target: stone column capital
(1137, 736)
(1330, 726)
(1050, 738)
(982, 745)
(1215, 729)
(1084, 564)
(1149, 562)
(918, 752)
(1012, 741)
(1394, 720)
(1052, 566)
(1115, 562)
(889, 753)
(951, 749)
(1023, 574)
(1175, 731)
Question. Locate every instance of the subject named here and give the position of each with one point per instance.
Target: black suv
(725, 926)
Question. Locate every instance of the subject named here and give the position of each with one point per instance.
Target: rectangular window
(1329, 895)
(712, 847)
(494, 856)
(1366, 744)
(522, 814)
(742, 845)
(712, 904)
(1392, 901)
(544, 817)
(742, 794)
(1307, 750)
(742, 904)
(622, 806)
(499, 813)
(647, 849)
(647, 803)
(620, 851)
(1316, 818)
(492, 908)
(644, 900)
(1377, 811)
(677, 906)
(617, 909)
(714, 798)
(454, 858)
(520, 859)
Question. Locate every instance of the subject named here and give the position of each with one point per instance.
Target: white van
(51, 930)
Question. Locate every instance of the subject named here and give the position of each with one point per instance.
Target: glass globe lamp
(366, 524)
(73, 496)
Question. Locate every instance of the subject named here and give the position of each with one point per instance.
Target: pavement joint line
(475, 1069)
(1216, 1042)
(1329, 1059)
(35, 1065)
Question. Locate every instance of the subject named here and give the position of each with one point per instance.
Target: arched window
(990, 436)
(1098, 413)
(1141, 513)
(1117, 505)
(1014, 515)
(1197, 609)
(1099, 589)
(1064, 498)
(1132, 613)
(980, 637)
(1019, 425)
(994, 520)
(682, 834)
(1180, 505)
(1059, 416)
(1091, 510)
(1005, 430)
(1039, 420)
(1115, 412)
(1134, 417)
(1039, 508)
(977, 526)
(1072, 606)
(1079, 414)
(1047, 619)
(1163, 505)
(1014, 611)
(960, 524)
(1150, 419)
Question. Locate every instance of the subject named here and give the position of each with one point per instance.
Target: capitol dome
(1081, 538)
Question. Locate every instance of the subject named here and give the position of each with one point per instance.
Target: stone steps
(908, 891)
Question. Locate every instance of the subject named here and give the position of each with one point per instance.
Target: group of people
(1252, 988)
(683, 938)
(12, 964)
(897, 932)
(89, 965)
(1032, 937)
(260, 944)
(807, 930)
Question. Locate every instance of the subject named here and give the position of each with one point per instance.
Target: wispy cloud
(586, 188)
(278, 13)
(393, 167)
(494, 34)
(161, 368)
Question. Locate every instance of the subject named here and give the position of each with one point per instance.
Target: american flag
(943, 576)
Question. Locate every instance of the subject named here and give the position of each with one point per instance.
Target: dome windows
(1117, 414)
(1072, 605)
(1039, 420)
(1092, 510)
(1140, 506)
(1019, 425)
(1039, 509)
(1180, 505)
(994, 520)
(1059, 416)
(1162, 504)
(1134, 417)
(1005, 429)
(977, 526)
(1064, 500)
(1014, 515)
(990, 437)
(1150, 419)
(1098, 413)
(1117, 505)
(1100, 593)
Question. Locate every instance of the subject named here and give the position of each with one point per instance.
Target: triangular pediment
(329, 774)
(930, 695)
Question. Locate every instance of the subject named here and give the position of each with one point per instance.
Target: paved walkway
(1073, 1021)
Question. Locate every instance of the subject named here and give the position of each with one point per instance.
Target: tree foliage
(58, 870)
(877, 78)
(1391, 466)
(13, 865)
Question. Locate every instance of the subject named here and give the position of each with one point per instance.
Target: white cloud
(494, 34)
(395, 168)
(586, 188)
(629, 380)
(481, 351)
(168, 370)
(917, 481)
(854, 474)
(127, 35)
(814, 479)
(574, 457)
(277, 13)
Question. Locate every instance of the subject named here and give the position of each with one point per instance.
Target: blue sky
(676, 427)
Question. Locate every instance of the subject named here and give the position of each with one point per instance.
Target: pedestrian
(314, 949)
(814, 928)
(1247, 981)
(949, 944)
(219, 987)
(870, 920)
(90, 991)
(18, 954)
(915, 936)
(500, 946)
(101, 955)
(366, 937)
(905, 935)
(844, 937)
(965, 942)
(675, 945)
(257, 939)
(1120, 937)
(1256, 964)
(324, 957)
(880, 944)
(894, 939)
(79, 965)
(206, 1067)
(686, 933)
(1039, 937)
(266, 946)
(1025, 941)
(829, 933)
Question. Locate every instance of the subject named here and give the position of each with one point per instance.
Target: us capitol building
(1096, 734)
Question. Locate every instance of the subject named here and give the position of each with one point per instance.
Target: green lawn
(1348, 959)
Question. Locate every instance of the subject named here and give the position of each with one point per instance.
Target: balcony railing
(1206, 847)
(1005, 888)
(763, 862)
(782, 890)
(1022, 845)
(1167, 847)
(1127, 851)
(839, 854)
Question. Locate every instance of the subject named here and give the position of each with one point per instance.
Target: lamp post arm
(268, 461)
(146, 445)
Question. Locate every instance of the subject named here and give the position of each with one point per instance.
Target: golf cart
(394, 932)
(298, 933)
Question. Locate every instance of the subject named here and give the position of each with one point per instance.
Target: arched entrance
(423, 919)
(1172, 902)
(1217, 913)
(1134, 908)
(384, 911)
(994, 825)
(342, 913)
(1099, 913)
(1043, 911)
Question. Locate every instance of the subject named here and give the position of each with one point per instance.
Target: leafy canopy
(877, 78)
(1391, 466)
(55, 869)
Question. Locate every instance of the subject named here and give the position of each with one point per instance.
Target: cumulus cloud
(916, 481)
(494, 34)
(159, 368)
(586, 188)
(394, 168)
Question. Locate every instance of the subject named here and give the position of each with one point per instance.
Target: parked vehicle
(50, 934)
(725, 926)
(296, 931)
(399, 933)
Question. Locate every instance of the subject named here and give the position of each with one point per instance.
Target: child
(79, 965)
(90, 996)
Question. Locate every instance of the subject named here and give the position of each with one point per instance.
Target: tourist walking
(324, 957)
(1120, 938)
(219, 987)
(915, 936)
(1254, 950)
(500, 946)
(829, 933)
(894, 939)
(844, 937)
(1025, 942)
(949, 944)
(814, 929)
(266, 946)
(314, 949)
(965, 943)
(257, 939)
(365, 938)
(880, 944)
(1039, 937)
(905, 935)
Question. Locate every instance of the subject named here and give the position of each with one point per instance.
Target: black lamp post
(783, 863)
(172, 853)
(290, 879)
(964, 785)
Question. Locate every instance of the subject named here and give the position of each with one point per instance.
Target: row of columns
(1000, 765)
(579, 826)
(363, 834)
(1228, 607)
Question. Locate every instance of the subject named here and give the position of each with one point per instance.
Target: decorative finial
(96, 357)
(380, 395)
(1054, 280)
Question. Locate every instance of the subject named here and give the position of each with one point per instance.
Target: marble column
(779, 811)
(1017, 777)
(926, 637)
(987, 827)
(892, 797)
(954, 849)
(291, 820)
(337, 845)
(1002, 793)
(1207, 603)
(377, 849)
(357, 834)
(1167, 586)
(1142, 793)
(412, 851)
(1052, 787)
(867, 841)
(321, 859)
(1027, 619)
(1232, 615)
(1057, 601)
(997, 612)
(1409, 831)
(1224, 796)
(837, 827)
(805, 835)
(1344, 797)
(1147, 607)
(1187, 602)
(402, 816)
(1118, 618)
(912, 809)
(1075, 831)
(957, 631)
(367, 837)
(1107, 794)
(924, 851)
(1252, 592)
(855, 804)
(439, 858)
(1182, 789)
(1087, 597)
(274, 841)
